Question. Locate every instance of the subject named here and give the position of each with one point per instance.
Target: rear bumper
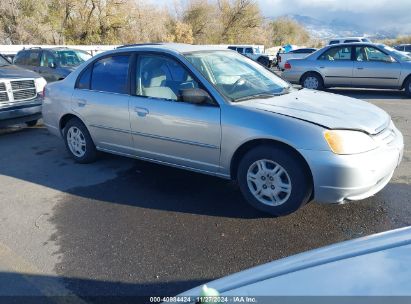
(293, 77)
(21, 112)
(339, 178)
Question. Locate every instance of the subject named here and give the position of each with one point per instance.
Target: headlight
(40, 84)
(349, 142)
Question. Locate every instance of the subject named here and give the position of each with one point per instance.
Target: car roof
(346, 38)
(176, 47)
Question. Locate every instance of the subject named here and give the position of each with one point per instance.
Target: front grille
(23, 89)
(3, 94)
(387, 136)
(24, 94)
(22, 84)
(4, 97)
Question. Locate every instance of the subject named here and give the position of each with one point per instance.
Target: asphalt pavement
(125, 227)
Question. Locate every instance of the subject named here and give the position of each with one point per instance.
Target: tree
(284, 30)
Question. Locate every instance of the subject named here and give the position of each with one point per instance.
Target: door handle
(322, 67)
(81, 102)
(360, 68)
(142, 112)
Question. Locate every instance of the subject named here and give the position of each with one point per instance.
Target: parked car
(217, 112)
(254, 53)
(348, 40)
(362, 65)
(403, 48)
(51, 63)
(372, 266)
(20, 91)
(295, 54)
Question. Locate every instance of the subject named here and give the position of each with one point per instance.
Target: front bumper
(339, 178)
(21, 112)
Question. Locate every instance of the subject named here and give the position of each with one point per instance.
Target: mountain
(321, 29)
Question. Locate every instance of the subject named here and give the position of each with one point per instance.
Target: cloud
(376, 14)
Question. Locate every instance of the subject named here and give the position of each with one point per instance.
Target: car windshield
(3, 61)
(237, 77)
(399, 55)
(71, 58)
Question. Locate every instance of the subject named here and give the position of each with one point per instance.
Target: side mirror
(52, 65)
(195, 96)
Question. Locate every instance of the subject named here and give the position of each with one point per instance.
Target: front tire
(79, 142)
(32, 123)
(312, 81)
(274, 180)
(407, 87)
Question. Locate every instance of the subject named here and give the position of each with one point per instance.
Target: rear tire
(312, 81)
(407, 87)
(264, 62)
(79, 142)
(274, 180)
(32, 123)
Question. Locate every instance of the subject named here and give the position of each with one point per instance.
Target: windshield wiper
(255, 96)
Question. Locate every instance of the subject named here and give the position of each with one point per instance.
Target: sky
(378, 15)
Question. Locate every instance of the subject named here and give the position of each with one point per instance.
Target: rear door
(375, 68)
(336, 66)
(101, 99)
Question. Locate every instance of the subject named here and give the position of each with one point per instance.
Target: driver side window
(370, 54)
(162, 77)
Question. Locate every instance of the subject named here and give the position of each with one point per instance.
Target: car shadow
(33, 288)
(379, 94)
(118, 179)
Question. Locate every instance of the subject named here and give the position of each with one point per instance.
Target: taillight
(287, 66)
(44, 92)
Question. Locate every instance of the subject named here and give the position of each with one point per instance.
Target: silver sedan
(220, 113)
(363, 65)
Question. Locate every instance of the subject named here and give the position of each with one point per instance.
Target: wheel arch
(310, 72)
(405, 80)
(247, 146)
(65, 119)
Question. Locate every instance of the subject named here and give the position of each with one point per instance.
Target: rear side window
(407, 48)
(21, 58)
(33, 58)
(110, 74)
(84, 80)
(232, 48)
(336, 53)
(240, 50)
(248, 50)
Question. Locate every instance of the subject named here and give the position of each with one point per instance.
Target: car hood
(13, 71)
(329, 110)
(372, 265)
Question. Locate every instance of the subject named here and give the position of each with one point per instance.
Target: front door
(101, 99)
(374, 68)
(166, 129)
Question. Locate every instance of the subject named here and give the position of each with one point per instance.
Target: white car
(294, 54)
(348, 40)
